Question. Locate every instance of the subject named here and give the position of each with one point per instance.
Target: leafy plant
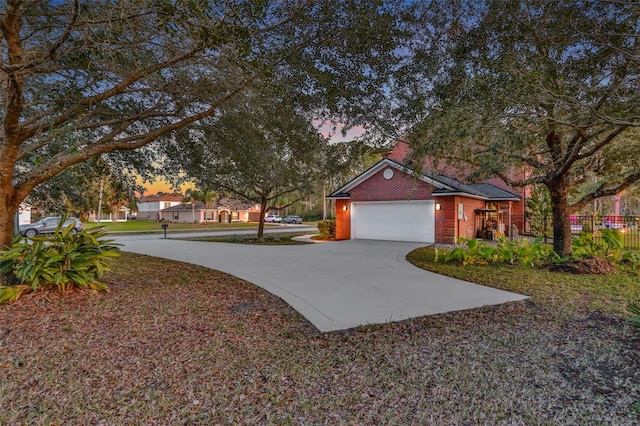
(62, 261)
(458, 255)
(631, 259)
(539, 212)
(584, 245)
(613, 239)
(609, 246)
(515, 252)
(327, 228)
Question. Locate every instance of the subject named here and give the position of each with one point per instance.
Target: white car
(273, 218)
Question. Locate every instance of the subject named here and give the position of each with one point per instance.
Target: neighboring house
(223, 210)
(120, 216)
(149, 206)
(389, 201)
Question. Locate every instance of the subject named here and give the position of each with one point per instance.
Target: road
(122, 237)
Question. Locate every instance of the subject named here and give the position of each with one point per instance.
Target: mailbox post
(165, 226)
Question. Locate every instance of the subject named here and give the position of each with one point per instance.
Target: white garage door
(393, 220)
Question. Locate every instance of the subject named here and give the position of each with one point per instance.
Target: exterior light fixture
(437, 206)
(344, 207)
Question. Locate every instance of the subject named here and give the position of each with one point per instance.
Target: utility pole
(324, 202)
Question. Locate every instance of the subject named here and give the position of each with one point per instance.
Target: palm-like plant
(192, 196)
(207, 198)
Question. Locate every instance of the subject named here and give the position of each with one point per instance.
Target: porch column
(343, 219)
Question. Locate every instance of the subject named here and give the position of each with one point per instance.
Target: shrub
(520, 252)
(327, 228)
(62, 261)
(610, 246)
(631, 259)
(539, 212)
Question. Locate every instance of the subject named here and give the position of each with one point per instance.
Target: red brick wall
(445, 223)
(343, 220)
(467, 228)
(448, 226)
(404, 187)
(399, 151)
(400, 187)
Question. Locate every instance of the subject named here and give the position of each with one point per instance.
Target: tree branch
(63, 160)
(622, 184)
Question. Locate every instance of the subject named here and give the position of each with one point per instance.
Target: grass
(174, 343)
(569, 292)
(267, 239)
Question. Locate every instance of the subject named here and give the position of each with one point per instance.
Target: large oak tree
(83, 78)
(551, 88)
(262, 150)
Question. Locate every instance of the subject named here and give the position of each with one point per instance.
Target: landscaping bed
(174, 343)
(267, 239)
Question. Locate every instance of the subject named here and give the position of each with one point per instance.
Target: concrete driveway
(336, 285)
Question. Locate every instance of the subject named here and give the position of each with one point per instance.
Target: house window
(166, 205)
(234, 215)
(176, 215)
(208, 216)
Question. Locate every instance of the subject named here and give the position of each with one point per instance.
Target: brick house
(225, 210)
(389, 201)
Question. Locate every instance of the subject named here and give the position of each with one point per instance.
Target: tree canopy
(549, 88)
(83, 78)
(255, 150)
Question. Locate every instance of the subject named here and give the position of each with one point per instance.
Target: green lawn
(569, 292)
(150, 226)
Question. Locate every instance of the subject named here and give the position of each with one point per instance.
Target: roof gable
(221, 204)
(343, 191)
(161, 197)
(401, 149)
(444, 185)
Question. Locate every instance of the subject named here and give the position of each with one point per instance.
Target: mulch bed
(585, 265)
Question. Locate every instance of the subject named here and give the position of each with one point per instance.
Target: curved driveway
(337, 285)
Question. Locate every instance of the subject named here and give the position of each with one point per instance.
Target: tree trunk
(114, 213)
(263, 207)
(561, 219)
(7, 216)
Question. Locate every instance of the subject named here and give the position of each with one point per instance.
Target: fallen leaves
(180, 344)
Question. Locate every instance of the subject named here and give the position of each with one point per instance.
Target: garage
(393, 220)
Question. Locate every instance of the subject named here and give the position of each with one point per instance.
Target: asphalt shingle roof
(444, 184)
(230, 203)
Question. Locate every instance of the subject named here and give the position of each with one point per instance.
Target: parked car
(273, 218)
(292, 219)
(576, 228)
(48, 225)
(613, 225)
